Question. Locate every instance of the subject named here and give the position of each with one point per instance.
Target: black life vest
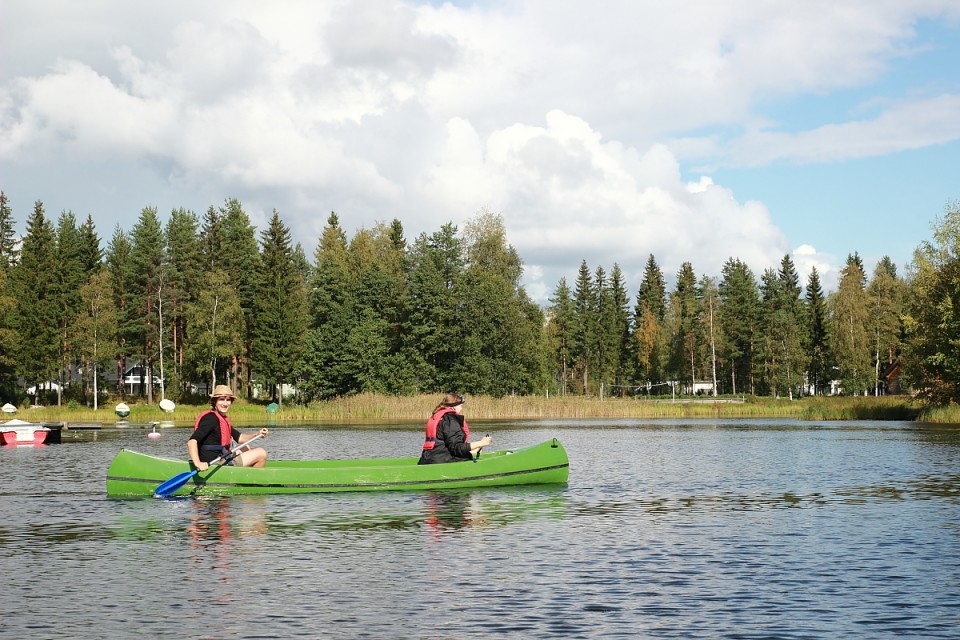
(431, 430)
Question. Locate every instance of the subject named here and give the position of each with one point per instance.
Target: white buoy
(167, 405)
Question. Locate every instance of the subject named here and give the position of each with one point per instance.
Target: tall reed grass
(949, 414)
(379, 409)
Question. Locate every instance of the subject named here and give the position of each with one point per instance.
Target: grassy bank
(414, 409)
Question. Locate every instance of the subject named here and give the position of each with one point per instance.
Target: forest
(204, 300)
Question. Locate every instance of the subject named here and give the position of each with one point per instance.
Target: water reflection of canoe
(449, 511)
(136, 474)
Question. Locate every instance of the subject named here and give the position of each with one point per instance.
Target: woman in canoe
(213, 433)
(447, 434)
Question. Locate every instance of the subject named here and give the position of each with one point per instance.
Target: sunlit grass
(949, 414)
(370, 408)
(862, 408)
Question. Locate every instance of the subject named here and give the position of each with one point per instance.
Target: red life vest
(434, 422)
(226, 429)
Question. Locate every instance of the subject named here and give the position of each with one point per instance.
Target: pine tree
(183, 277)
(653, 290)
(70, 276)
(212, 239)
(781, 344)
(91, 253)
(34, 283)
(820, 364)
(738, 317)
(331, 315)
(240, 259)
(560, 332)
(9, 254)
(8, 338)
(148, 265)
(403, 362)
(280, 312)
(123, 283)
(606, 338)
(433, 329)
(711, 336)
(301, 263)
(623, 340)
(791, 337)
(789, 281)
(583, 346)
(684, 329)
(649, 335)
(378, 286)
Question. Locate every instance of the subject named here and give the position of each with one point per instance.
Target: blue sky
(604, 132)
(876, 206)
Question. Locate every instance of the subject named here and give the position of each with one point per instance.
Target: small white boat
(19, 433)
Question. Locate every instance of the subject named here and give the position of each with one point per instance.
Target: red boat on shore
(18, 433)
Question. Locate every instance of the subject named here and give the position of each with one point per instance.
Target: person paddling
(448, 435)
(213, 434)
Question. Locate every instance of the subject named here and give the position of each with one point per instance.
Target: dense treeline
(205, 301)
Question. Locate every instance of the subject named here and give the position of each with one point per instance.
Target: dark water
(667, 529)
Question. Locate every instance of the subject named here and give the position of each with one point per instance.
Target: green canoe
(133, 474)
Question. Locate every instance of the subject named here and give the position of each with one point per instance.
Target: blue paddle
(173, 484)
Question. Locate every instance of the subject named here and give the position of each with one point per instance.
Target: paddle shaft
(233, 453)
(173, 484)
(480, 449)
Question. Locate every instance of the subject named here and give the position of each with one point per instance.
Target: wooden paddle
(173, 484)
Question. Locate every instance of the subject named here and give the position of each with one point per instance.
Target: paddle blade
(170, 486)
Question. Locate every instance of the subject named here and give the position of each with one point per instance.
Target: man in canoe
(448, 435)
(213, 433)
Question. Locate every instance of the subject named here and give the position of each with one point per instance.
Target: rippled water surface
(667, 529)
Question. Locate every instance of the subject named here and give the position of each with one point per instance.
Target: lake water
(667, 529)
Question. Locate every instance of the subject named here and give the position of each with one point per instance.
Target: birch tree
(849, 315)
(932, 321)
(96, 329)
(886, 295)
(216, 330)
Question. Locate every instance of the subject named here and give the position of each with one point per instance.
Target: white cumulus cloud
(578, 123)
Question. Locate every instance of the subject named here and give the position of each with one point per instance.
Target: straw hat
(222, 390)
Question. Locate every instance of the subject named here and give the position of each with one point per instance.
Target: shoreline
(375, 409)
